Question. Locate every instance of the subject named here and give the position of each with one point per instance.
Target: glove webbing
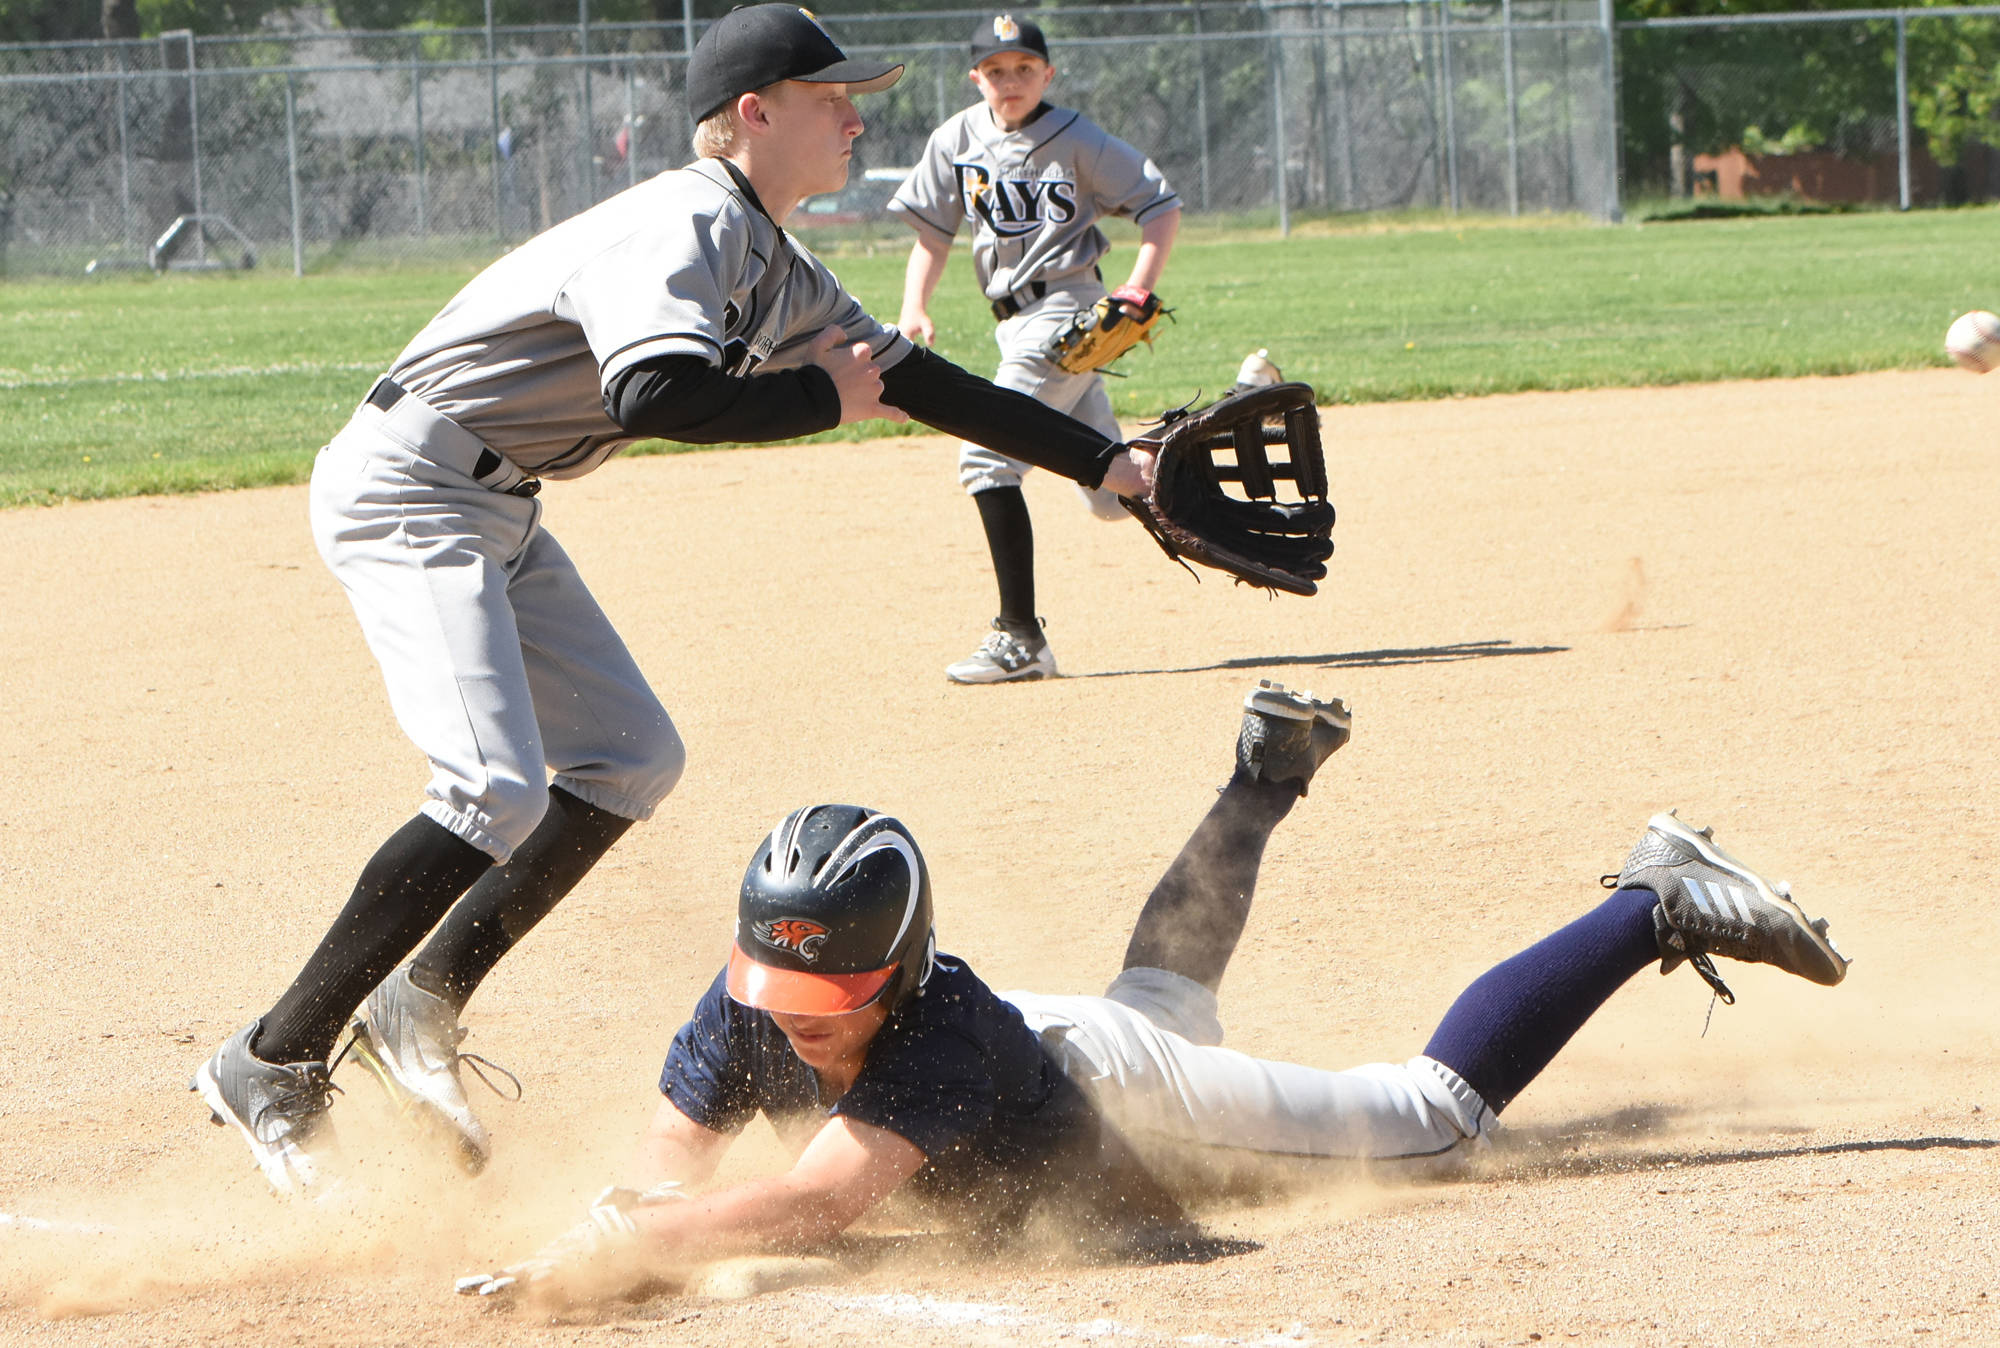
(1254, 468)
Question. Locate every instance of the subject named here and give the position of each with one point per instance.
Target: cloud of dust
(206, 1219)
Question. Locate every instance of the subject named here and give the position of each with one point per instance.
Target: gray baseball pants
(500, 665)
(1024, 369)
(1149, 1055)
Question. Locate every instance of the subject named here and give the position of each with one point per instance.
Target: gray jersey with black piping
(1033, 197)
(682, 264)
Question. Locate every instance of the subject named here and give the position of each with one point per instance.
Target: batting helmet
(835, 914)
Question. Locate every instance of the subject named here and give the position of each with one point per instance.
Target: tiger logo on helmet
(792, 933)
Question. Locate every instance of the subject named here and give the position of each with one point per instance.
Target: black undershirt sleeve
(956, 401)
(687, 399)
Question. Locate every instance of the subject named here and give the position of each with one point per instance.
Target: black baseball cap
(757, 45)
(1004, 32)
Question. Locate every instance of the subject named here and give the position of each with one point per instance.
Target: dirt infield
(1771, 604)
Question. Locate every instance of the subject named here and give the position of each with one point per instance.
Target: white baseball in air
(1974, 341)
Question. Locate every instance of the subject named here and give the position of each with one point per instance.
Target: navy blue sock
(1503, 1030)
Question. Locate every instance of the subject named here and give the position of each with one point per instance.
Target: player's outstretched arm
(928, 256)
(677, 1148)
(844, 1171)
(630, 1237)
(855, 374)
(685, 398)
(956, 401)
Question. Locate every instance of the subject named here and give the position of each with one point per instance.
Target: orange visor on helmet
(797, 993)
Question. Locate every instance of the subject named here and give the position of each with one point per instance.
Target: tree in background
(1783, 90)
(1954, 81)
(49, 20)
(204, 17)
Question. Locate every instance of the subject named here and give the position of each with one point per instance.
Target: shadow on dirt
(1382, 659)
(1599, 1145)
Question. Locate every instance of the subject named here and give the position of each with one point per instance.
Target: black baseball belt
(1007, 306)
(444, 441)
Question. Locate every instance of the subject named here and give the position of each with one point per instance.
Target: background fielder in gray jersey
(1032, 181)
(677, 309)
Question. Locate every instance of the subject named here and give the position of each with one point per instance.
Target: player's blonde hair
(716, 134)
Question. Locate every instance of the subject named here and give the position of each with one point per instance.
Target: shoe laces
(1705, 966)
(1007, 649)
(1694, 954)
(307, 1093)
(479, 1068)
(479, 1065)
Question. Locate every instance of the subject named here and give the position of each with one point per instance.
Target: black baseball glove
(1249, 532)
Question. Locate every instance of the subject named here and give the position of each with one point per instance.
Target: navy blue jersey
(955, 1072)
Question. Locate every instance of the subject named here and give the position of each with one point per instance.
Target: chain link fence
(311, 149)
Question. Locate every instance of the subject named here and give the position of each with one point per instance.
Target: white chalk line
(9, 1221)
(940, 1313)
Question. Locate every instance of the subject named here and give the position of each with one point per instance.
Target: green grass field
(134, 384)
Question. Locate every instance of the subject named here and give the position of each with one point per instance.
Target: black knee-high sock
(1195, 914)
(404, 889)
(509, 900)
(1010, 537)
(1506, 1027)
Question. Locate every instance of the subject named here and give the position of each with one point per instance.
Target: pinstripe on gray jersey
(1033, 197)
(679, 264)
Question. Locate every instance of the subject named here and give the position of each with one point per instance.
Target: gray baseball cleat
(1713, 904)
(1005, 657)
(1286, 736)
(279, 1108)
(408, 1040)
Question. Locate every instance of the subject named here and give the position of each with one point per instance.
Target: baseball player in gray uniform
(1031, 181)
(886, 1063)
(679, 309)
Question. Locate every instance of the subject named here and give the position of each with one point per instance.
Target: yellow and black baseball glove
(1193, 513)
(1107, 330)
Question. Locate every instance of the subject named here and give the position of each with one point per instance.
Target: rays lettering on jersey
(1011, 207)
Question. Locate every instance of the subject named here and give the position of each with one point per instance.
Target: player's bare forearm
(677, 1148)
(748, 1218)
(1156, 244)
(847, 1169)
(928, 256)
